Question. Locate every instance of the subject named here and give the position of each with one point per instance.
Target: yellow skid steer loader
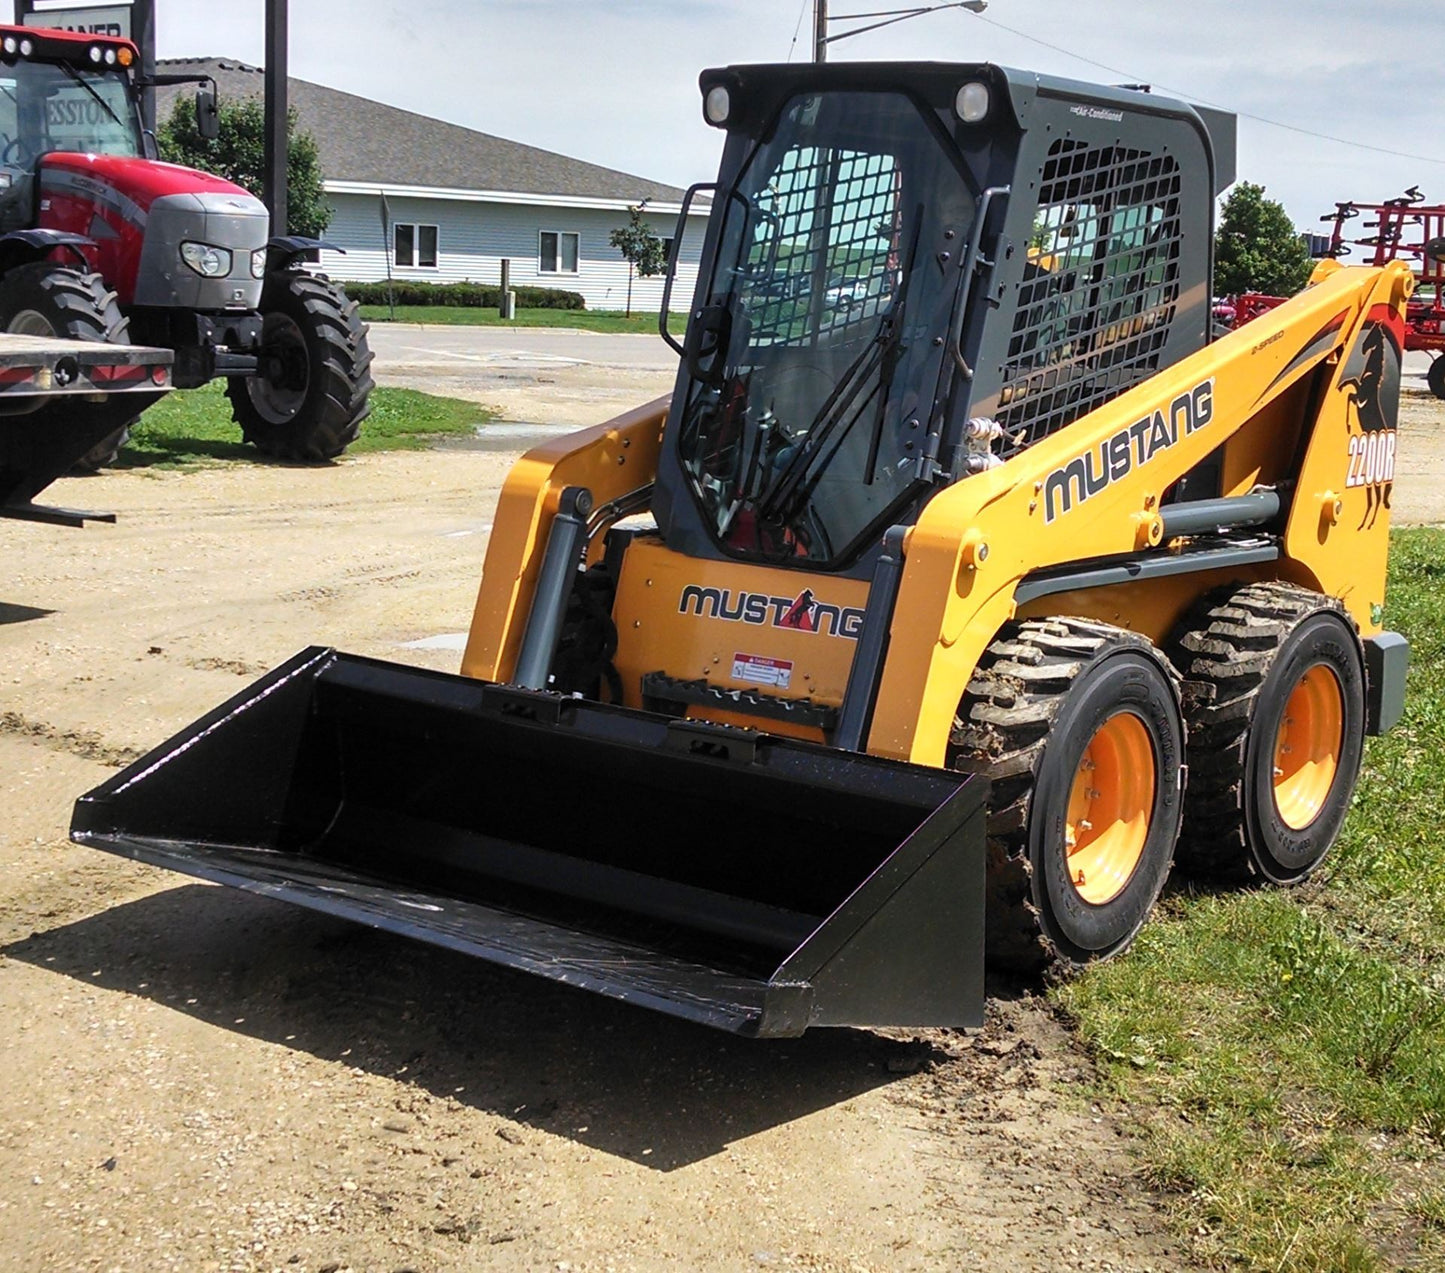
(961, 587)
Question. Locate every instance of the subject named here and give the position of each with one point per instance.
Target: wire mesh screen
(833, 222)
(1101, 280)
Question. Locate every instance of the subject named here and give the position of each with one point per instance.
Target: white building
(445, 204)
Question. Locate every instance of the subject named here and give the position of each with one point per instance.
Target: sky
(615, 81)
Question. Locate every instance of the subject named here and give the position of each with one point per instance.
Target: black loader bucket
(737, 879)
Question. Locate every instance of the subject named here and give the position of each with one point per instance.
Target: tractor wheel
(104, 453)
(313, 389)
(1435, 377)
(45, 299)
(1274, 698)
(1078, 726)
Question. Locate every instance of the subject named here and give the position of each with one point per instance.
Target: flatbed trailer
(58, 399)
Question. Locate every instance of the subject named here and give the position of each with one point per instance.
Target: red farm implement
(1403, 229)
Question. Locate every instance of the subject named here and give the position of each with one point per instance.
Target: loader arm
(611, 460)
(1084, 494)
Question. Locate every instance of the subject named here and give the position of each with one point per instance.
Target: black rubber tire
(73, 304)
(313, 408)
(104, 453)
(1241, 653)
(1037, 698)
(1435, 376)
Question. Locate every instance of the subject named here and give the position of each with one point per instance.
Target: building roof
(361, 140)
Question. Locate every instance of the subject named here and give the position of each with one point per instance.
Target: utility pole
(274, 176)
(820, 30)
(143, 32)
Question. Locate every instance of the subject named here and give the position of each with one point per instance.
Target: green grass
(1284, 1052)
(194, 427)
(583, 319)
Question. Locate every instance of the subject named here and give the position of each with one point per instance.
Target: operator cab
(913, 271)
(60, 92)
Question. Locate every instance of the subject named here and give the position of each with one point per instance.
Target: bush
(463, 295)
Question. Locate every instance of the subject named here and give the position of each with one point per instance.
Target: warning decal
(763, 671)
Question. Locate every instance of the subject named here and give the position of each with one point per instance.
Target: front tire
(313, 390)
(1274, 694)
(1078, 726)
(46, 299)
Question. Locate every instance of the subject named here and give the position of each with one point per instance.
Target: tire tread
(1224, 652)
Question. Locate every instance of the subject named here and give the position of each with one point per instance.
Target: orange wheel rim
(1111, 805)
(1307, 746)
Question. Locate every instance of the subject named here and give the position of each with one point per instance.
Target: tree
(238, 154)
(1256, 249)
(642, 249)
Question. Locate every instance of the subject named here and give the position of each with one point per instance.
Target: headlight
(717, 105)
(207, 261)
(11, 45)
(258, 263)
(95, 53)
(972, 102)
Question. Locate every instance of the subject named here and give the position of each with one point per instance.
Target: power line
(1259, 119)
(802, 9)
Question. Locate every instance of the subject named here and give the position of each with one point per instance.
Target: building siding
(473, 238)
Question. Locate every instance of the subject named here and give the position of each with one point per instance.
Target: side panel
(1094, 489)
(611, 460)
(779, 633)
(1339, 526)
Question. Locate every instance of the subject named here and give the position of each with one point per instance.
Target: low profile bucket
(744, 881)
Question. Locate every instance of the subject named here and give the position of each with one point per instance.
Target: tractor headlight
(11, 45)
(207, 261)
(26, 48)
(258, 263)
(95, 53)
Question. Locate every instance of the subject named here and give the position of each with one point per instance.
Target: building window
(666, 251)
(557, 253)
(415, 245)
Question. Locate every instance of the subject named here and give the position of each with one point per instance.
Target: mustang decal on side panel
(803, 613)
(1371, 378)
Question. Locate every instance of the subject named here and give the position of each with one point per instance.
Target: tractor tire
(104, 453)
(45, 299)
(1435, 376)
(1274, 705)
(1069, 717)
(314, 389)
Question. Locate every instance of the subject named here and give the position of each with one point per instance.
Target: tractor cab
(60, 92)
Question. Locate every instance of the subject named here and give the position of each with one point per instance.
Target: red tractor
(101, 241)
(1407, 229)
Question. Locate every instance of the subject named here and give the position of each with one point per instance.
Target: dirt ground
(1419, 495)
(199, 1079)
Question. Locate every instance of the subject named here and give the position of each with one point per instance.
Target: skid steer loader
(897, 631)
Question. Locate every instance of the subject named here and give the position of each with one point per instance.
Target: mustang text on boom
(1114, 459)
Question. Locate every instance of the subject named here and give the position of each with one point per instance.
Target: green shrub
(463, 295)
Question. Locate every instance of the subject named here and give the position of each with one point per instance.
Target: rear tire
(1274, 696)
(46, 299)
(1435, 377)
(104, 453)
(314, 390)
(1078, 726)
